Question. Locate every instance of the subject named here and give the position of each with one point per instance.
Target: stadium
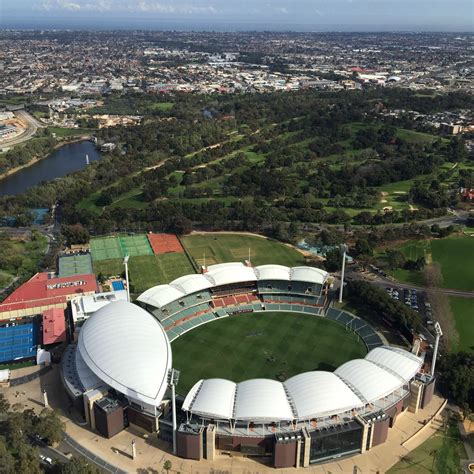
(121, 373)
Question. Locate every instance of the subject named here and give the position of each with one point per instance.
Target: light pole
(173, 377)
(125, 262)
(343, 248)
(439, 333)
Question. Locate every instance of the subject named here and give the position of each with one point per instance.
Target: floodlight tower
(343, 248)
(125, 262)
(173, 377)
(439, 333)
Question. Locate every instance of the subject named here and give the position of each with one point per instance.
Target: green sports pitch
(106, 248)
(274, 345)
(212, 248)
(147, 270)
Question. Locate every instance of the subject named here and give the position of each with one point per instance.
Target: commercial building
(45, 291)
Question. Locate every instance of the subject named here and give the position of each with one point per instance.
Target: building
(84, 306)
(44, 291)
(19, 339)
(118, 373)
(54, 326)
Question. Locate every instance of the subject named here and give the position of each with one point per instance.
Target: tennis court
(70, 265)
(135, 245)
(165, 243)
(106, 248)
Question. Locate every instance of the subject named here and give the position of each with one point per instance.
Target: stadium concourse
(120, 373)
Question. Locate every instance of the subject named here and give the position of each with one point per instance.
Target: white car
(46, 459)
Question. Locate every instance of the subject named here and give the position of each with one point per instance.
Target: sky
(303, 15)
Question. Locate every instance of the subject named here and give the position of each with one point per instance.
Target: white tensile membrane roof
(262, 399)
(127, 348)
(370, 380)
(320, 393)
(160, 295)
(226, 274)
(216, 398)
(191, 283)
(273, 272)
(309, 274)
(401, 363)
(308, 395)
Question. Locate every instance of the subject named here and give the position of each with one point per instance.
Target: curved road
(382, 281)
(31, 126)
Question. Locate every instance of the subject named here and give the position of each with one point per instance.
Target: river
(64, 160)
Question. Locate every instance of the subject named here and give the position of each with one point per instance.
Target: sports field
(273, 345)
(462, 309)
(454, 254)
(147, 270)
(106, 248)
(75, 265)
(214, 248)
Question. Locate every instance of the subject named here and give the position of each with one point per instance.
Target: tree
(395, 259)
(363, 247)
(49, 426)
(333, 260)
(77, 466)
(4, 404)
(167, 465)
(75, 234)
(440, 307)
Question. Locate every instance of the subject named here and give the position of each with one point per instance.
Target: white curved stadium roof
(368, 379)
(308, 395)
(262, 399)
(191, 284)
(128, 349)
(309, 274)
(160, 295)
(216, 399)
(320, 393)
(401, 363)
(228, 273)
(272, 272)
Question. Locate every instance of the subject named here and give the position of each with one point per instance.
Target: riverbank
(36, 159)
(66, 158)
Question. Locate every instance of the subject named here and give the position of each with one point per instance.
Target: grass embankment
(274, 345)
(441, 454)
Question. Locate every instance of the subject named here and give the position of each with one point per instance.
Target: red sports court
(165, 243)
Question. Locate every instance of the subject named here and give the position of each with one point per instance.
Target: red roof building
(41, 292)
(54, 326)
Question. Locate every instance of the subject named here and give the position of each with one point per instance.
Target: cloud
(126, 6)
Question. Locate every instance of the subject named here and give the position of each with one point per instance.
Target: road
(31, 126)
(387, 282)
(67, 448)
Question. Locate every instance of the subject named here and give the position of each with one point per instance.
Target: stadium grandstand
(120, 373)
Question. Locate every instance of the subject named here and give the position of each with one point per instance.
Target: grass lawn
(5, 279)
(70, 132)
(146, 271)
(221, 248)
(158, 269)
(462, 309)
(455, 254)
(257, 345)
(161, 106)
(439, 454)
(456, 257)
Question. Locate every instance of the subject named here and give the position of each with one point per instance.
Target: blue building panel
(18, 341)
